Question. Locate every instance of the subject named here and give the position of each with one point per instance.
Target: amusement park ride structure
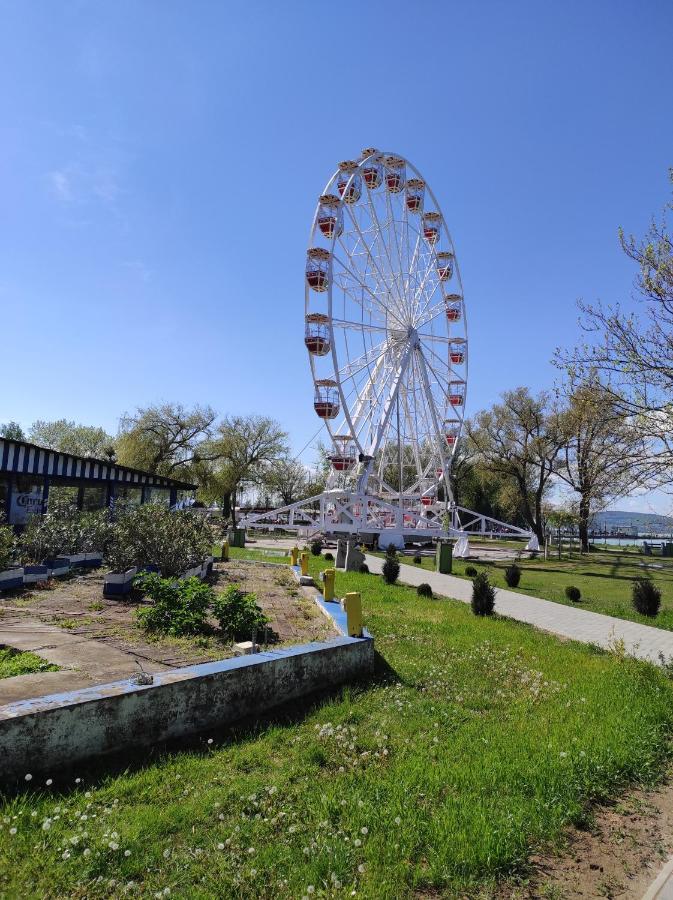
(386, 335)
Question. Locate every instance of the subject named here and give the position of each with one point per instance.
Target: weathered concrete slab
(39, 684)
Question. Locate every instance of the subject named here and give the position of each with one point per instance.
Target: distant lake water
(610, 541)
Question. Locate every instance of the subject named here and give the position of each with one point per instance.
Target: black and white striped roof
(22, 458)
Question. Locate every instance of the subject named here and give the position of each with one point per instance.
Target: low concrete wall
(47, 732)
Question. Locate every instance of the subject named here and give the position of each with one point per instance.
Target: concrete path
(642, 641)
(84, 662)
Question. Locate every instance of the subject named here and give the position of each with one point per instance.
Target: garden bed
(77, 605)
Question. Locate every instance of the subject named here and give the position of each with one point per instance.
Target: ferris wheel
(385, 330)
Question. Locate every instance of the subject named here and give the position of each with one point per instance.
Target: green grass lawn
(13, 662)
(604, 578)
(478, 741)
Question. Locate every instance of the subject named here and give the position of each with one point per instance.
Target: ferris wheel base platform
(338, 514)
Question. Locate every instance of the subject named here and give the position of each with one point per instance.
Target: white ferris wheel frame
(362, 502)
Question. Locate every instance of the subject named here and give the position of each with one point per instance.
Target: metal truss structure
(386, 335)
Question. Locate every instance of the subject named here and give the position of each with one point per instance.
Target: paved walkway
(567, 621)
(84, 662)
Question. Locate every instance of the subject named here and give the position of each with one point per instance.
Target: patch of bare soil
(77, 604)
(618, 856)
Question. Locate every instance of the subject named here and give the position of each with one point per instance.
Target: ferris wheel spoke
(431, 404)
(393, 227)
(365, 287)
(431, 314)
(375, 264)
(351, 369)
(438, 338)
(379, 239)
(357, 326)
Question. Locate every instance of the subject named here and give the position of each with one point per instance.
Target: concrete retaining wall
(42, 734)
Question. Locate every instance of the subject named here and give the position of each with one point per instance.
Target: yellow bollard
(353, 608)
(328, 584)
(294, 553)
(303, 562)
(225, 551)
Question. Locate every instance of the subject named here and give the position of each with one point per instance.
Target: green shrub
(329, 557)
(418, 559)
(391, 570)
(573, 593)
(178, 608)
(391, 551)
(152, 534)
(646, 597)
(64, 529)
(470, 571)
(364, 569)
(513, 575)
(316, 547)
(483, 596)
(238, 614)
(6, 546)
(424, 590)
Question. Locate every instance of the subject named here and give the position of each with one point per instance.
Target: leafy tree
(520, 439)
(12, 431)
(165, 439)
(605, 455)
(287, 479)
(242, 451)
(72, 437)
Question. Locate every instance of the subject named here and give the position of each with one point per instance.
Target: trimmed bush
(364, 569)
(152, 534)
(483, 596)
(470, 571)
(391, 551)
(179, 607)
(329, 557)
(573, 593)
(513, 575)
(646, 597)
(316, 547)
(424, 590)
(238, 614)
(391, 570)
(418, 559)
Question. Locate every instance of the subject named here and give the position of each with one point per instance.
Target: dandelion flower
(29, 777)
(364, 830)
(48, 782)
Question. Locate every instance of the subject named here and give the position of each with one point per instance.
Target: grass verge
(478, 741)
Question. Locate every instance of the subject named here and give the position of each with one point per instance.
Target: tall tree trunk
(583, 523)
(226, 506)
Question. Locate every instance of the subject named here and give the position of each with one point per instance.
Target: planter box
(207, 566)
(117, 584)
(57, 566)
(194, 572)
(33, 574)
(11, 579)
(76, 559)
(150, 567)
(93, 560)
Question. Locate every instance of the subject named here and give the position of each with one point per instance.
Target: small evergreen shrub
(646, 597)
(513, 575)
(179, 607)
(316, 547)
(329, 557)
(418, 559)
(483, 596)
(573, 593)
(391, 570)
(391, 550)
(238, 614)
(470, 571)
(364, 569)
(424, 590)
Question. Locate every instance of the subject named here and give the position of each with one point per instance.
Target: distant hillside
(617, 520)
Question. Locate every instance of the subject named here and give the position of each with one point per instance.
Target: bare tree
(634, 352)
(605, 456)
(521, 439)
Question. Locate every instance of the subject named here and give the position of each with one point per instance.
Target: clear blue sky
(160, 163)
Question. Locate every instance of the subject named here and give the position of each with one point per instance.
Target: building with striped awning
(29, 472)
